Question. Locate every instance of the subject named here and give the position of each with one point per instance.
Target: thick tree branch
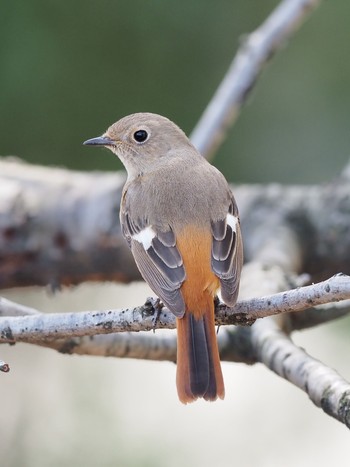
(256, 50)
(54, 229)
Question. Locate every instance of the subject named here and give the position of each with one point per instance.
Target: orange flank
(198, 362)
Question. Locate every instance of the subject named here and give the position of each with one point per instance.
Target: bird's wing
(227, 253)
(158, 260)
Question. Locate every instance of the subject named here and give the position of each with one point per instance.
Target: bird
(181, 221)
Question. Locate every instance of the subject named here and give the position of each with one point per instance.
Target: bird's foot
(153, 306)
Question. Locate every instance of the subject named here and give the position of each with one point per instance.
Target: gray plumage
(165, 194)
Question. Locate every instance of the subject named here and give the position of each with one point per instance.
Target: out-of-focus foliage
(69, 69)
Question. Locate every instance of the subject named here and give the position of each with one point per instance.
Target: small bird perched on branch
(181, 222)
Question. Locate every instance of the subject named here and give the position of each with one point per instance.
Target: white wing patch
(145, 237)
(232, 221)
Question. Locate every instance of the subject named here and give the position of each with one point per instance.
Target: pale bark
(19, 324)
(4, 367)
(61, 227)
(325, 387)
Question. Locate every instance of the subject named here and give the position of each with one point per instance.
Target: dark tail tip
(198, 363)
(199, 357)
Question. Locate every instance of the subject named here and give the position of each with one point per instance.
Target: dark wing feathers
(174, 272)
(160, 264)
(230, 282)
(169, 254)
(161, 285)
(128, 228)
(167, 238)
(218, 229)
(227, 255)
(222, 250)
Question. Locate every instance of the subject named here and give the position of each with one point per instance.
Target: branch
(325, 387)
(36, 327)
(244, 344)
(8, 308)
(144, 346)
(54, 230)
(234, 345)
(257, 49)
(318, 315)
(4, 367)
(246, 312)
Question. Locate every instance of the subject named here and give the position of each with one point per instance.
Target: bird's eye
(140, 136)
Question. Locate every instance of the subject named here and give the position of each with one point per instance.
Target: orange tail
(198, 362)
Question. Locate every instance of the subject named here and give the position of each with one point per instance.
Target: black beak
(99, 141)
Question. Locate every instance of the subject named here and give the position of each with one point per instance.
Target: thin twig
(4, 367)
(331, 290)
(8, 308)
(36, 327)
(241, 77)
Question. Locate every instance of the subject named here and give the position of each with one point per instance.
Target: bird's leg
(216, 305)
(153, 306)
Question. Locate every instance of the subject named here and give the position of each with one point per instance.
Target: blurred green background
(70, 69)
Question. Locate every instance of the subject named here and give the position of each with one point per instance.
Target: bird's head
(143, 141)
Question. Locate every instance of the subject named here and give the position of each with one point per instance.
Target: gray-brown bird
(181, 222)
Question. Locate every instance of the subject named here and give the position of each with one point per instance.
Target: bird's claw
(153, 306)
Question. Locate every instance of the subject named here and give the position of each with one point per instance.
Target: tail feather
(198, 362)
(216, 386)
